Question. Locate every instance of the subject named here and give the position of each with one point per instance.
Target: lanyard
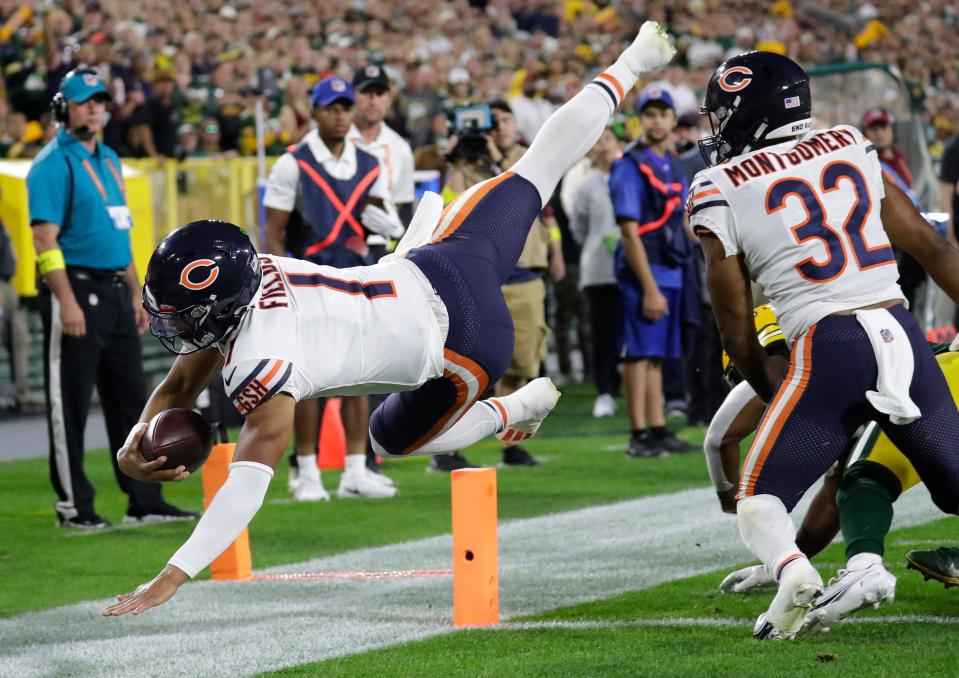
(663, 165)
(96, 179)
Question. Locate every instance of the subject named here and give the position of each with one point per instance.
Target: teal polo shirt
(87, 235)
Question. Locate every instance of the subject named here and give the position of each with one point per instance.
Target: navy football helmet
(199, 285)
(753, 100)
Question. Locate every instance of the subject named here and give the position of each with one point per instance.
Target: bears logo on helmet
(210, 278)
(742, 83)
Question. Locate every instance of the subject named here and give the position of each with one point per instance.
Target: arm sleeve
(252, 382)
(626, 190)
(231, 510)
(282, 184)
(734, 403)
(47, 188)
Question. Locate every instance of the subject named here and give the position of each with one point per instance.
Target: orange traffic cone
(331, 452)
(235, 562)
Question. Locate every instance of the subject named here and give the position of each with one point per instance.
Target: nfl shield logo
(886, 336)
(90, 79)
(338, 85)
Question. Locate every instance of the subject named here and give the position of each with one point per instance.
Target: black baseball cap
(370, 76)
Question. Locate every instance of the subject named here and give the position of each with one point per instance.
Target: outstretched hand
(134, 464)
(155, 592)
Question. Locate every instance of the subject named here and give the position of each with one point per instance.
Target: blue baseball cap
(655, 96)
(83, 85)
(331, 89)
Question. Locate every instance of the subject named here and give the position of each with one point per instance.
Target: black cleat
(162, 513)
(91, 522)
(941, 565)
(447, 463)
(518, 456)
(645, 447)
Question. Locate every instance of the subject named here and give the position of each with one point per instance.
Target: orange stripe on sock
(614, 82)
(462, 395)
(474, 199)
(502, 410)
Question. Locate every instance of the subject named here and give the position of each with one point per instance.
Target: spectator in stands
(90, 302)
(21, 138)
(295, 113)
(13, 327)
(209, 138)
(319, 214)
(648, 191)
(531, 107)
(162, 117)
(593, 225)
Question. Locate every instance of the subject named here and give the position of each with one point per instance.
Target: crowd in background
(185, 74)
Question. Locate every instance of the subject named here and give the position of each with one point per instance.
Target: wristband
(51, 260)
(555, 235)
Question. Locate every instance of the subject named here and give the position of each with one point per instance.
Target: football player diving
(428, 325)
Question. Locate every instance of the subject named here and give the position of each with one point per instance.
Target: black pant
(604, 317)
(109, 357)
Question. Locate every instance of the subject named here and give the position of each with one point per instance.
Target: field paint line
(307, 576)
(668, 622)
(244, 628)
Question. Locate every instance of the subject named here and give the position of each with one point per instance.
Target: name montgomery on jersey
(762, 163)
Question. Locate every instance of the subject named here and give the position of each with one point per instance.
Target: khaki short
(526, 303)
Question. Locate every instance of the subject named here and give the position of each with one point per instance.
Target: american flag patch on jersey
(791, 102)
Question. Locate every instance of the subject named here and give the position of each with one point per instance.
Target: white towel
(895, 362)
(422, 225)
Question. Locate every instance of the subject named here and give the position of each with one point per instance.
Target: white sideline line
(707, 622)
(245, 628)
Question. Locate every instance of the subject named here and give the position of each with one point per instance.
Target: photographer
(478, 154)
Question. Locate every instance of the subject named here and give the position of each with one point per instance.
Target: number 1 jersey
(805, 216)
(316, 331)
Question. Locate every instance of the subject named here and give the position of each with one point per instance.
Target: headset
(58, 106)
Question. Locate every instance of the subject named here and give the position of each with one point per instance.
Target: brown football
(183, 436)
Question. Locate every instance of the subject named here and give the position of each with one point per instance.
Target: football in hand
(183, 436)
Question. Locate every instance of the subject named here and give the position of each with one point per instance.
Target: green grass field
(682, 627)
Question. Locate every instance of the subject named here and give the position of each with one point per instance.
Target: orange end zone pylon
(235, 562)
(331, 451)
(475, 551)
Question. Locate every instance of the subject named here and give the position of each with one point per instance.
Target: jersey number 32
(816, 228)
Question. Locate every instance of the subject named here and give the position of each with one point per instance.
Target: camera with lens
(471, 124)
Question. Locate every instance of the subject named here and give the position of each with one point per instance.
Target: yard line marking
(706, 622)
(308, 576)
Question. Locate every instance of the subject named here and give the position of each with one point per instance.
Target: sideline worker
(90, 302)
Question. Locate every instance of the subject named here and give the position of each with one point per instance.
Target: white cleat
(604, 406)
(747, 580)
(651, 50)
(537, 399)
(380, 478)
(849, 592)
(310, 489)
(361, 486)
(799, 586)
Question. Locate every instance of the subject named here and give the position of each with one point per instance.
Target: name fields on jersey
(274, 293)
(761, 163)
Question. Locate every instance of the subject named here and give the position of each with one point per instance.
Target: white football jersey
(805, 216)
(316, 331)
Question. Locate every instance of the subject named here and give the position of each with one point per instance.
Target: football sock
(480, 421)
(575, 127)
(306, 466)
(767, 531)
(355, 463)
(639, 433)
(865, 515)
(658, 432)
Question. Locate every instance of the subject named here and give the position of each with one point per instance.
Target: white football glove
(954, 346)
(747, 579)
(380, 221)
(651, 50)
